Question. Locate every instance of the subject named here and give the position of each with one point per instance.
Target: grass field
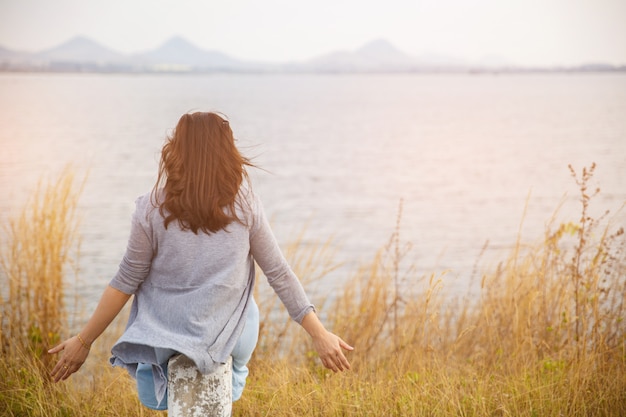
(544, 335)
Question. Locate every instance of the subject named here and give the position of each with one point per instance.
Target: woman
(190, 265)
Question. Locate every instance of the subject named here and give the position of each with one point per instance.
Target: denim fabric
(241, 356)
(145, 386)
(243, 350)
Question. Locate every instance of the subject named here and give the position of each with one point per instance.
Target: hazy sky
(530, 32)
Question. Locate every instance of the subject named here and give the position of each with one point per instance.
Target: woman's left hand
(329, 346)
(73, 357)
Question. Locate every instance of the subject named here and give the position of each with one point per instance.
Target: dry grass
(543, 336)
(41, 244)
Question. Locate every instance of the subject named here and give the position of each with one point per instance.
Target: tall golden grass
(542, 335)
(41, 244)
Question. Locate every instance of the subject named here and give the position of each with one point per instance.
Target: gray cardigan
(191, 291)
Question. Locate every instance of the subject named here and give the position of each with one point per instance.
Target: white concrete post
(191, 394)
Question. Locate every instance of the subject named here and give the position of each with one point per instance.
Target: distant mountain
(10, 55)
(178, 52)
(80, 49)
(383, 52)
(378, 55)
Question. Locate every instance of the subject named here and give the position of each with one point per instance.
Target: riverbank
(544, 336)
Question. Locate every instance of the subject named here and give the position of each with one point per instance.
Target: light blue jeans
(241, 356)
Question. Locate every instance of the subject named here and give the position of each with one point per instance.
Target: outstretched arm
(76, 348)
(328, 345)
(267, 254)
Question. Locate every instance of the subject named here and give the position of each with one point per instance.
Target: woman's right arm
(133, 270)
(76, 348)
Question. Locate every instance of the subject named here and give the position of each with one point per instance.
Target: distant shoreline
(90, 69)
(179, 56)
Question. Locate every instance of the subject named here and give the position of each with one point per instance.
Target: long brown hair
(203, 171)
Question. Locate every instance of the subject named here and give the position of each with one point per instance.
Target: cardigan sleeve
(268, 256)
(135, 264)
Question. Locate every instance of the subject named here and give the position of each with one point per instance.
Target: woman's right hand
(76, 349)
(74, 355)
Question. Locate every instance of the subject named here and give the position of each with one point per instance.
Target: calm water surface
(464, 153)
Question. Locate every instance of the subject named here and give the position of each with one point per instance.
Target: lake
(465, 154)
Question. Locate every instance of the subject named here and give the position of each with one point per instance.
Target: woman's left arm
(329, 346)
(267, 254)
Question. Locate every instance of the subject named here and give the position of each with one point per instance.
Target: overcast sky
(527, 32)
